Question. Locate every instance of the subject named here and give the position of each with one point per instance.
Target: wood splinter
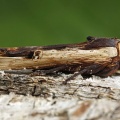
(96, 56)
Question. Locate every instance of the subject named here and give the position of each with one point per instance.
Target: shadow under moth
(96, 56)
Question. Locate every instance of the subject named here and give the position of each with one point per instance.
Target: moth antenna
(90, 38)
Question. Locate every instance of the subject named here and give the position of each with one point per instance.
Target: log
(46, 97)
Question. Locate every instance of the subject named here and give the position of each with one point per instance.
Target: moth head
(119, 49)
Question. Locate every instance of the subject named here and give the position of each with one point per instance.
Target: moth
(96, 56)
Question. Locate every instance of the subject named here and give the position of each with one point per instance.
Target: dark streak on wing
(63, 46)
(29, 51)
(101, 42)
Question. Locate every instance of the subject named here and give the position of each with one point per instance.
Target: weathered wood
(50, 85)
(85, 99)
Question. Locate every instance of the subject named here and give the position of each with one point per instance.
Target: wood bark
(45, 97)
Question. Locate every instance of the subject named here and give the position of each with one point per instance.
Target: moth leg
(26, 71)
(73, 76)
(48, 71)
(109, 70)
(89, 70)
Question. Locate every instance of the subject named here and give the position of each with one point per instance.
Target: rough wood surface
(46, 98)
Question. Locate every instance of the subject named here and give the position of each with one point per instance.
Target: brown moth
(96, 56)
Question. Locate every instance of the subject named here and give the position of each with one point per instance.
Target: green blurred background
(46, 22)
